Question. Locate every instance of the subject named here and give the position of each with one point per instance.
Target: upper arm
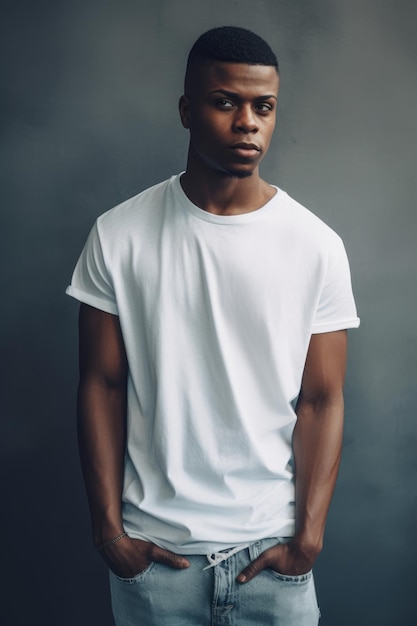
(101, 347)
(325, 366)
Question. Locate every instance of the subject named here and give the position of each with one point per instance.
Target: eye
(224, 103)
(264, 107)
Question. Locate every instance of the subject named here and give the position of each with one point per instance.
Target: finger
(169, 558)
(253, 569)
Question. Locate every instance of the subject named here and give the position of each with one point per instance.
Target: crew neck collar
(241, 218)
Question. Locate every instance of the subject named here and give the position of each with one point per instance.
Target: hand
(289, 559)
(128, 557)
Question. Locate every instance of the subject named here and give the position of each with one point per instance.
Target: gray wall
(89, 112)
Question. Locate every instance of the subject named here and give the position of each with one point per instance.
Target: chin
(239, 173)
(243, 174)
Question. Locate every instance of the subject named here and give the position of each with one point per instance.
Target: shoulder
(145, 206)
(307, 227)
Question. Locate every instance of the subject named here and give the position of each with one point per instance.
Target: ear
(184, 109)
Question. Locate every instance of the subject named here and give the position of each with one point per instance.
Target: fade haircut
(229, 44)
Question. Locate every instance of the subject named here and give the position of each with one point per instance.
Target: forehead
(237, 78)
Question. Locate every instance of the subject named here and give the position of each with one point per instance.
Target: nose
(245, 120)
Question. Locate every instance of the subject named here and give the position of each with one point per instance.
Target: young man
(212, 357)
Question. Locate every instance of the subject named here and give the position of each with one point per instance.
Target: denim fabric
(161, 596)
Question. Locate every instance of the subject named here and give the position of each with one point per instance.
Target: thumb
(252, 570)
(169, 558)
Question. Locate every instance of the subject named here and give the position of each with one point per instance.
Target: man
(212, 357)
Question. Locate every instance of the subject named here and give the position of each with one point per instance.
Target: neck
(222, 194)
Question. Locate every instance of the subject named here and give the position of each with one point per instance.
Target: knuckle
(253, 568)
(160, 555)
(175, 560)
(166, 557)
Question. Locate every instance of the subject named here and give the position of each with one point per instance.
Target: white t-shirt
(216, 314)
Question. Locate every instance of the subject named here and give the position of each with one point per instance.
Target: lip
(246, 150)
(243, 145)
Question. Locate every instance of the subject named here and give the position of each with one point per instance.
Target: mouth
(246, 150)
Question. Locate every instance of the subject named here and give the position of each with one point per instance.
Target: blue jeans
(162, 596)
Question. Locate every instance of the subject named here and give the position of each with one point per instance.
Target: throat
(229, 195)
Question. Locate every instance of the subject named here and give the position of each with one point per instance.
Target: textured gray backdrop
(89, 113)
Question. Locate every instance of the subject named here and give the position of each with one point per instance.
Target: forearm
(101, 439)
(317, 444)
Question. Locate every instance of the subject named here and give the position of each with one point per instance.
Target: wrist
(309, 534)
(110, 542)
(307, 546)
(106, 531)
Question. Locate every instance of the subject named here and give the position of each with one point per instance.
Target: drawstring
(217, 557)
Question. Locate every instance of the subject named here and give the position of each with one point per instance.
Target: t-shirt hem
(88, 298)
(333, 326)
(206, 547)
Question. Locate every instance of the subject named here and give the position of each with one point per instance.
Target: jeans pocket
(138, 577)
(302, 579)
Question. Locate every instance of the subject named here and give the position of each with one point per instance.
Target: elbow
(321, 402)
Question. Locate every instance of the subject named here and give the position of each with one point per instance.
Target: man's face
(230, 110)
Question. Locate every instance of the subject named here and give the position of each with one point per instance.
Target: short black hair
(230, 44)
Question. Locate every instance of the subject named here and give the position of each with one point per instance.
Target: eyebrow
(236, 96)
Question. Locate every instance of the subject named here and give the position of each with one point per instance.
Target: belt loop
(254, 550)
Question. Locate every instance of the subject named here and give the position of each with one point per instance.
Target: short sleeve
(336, 308)
(91, 282)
